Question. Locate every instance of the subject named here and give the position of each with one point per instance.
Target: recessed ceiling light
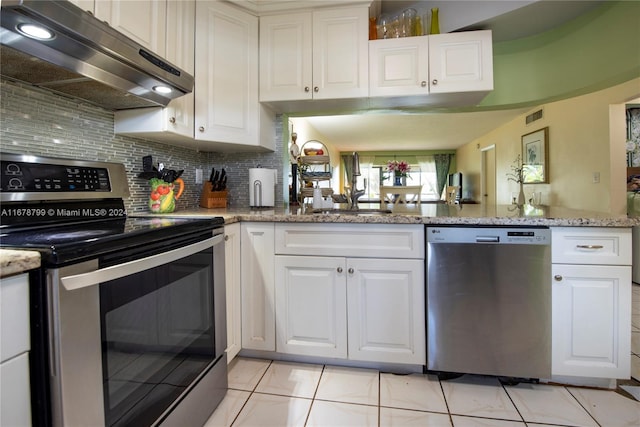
(36, 31)
(162, 89)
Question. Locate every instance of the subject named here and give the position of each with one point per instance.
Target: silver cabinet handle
(226, 237)
(557, 278)
(589, 246)
(423, 84)
(434, 82)
(339, 269)
(351, 271)
(201, 128)
(306, 89)
(316, 89)
(172, 120)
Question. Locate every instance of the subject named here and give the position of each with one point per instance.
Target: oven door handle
(92, 278)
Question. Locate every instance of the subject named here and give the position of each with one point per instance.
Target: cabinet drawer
(579, 245)
(352, 240)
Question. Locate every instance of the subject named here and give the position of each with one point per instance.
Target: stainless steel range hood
(85, 59)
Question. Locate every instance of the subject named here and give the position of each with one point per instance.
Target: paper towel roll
(262, 187)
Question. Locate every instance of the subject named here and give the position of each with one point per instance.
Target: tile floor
(274, 393)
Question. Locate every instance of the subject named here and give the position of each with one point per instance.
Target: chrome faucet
(355, 173)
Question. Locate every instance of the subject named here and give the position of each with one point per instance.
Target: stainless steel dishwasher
(489, 301)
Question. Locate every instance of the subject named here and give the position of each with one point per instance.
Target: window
(374, 178)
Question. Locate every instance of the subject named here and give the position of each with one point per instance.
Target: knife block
(212, 199)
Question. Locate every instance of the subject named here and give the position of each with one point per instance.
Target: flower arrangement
(517, 169)
(517, 175)
(398, 168)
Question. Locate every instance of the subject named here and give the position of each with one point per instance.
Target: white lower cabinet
(311, 306)
(591, 300)
(257, 283)
(367, 308)
(233, 285)
(15, 394)
(386, 306)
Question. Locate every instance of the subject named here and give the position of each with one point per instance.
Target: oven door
(131, 335)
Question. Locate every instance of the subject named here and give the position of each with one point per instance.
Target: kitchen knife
(214, 182)
(213, 170)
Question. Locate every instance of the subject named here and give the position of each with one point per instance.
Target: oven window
(157, 337)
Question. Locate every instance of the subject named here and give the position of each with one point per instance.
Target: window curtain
(428, 166)
(442, 161)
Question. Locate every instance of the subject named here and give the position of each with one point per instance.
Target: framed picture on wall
(535, 156)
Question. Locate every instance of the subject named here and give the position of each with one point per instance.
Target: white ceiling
(401, 132)
(507, 19)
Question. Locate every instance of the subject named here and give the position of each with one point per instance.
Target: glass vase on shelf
(521, 197)
(435, 21)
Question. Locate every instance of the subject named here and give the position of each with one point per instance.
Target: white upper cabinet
(222, 113)
(452, 69)
(143, 21)
(461, 62)
(227, 110)
(176, 121)
(179, 115)
(399, 66)
(314, 55)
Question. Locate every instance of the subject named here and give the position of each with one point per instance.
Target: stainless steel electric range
(128, 319)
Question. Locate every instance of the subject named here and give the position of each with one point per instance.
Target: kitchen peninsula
(322, 314)
(435, 213)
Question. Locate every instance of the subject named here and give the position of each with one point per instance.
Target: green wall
(597, 50)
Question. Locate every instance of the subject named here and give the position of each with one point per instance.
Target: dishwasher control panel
(491, 235)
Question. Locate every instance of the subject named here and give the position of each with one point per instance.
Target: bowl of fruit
(313, 152)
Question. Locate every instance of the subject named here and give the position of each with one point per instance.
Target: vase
(521, 198)
(398, 180)
(435, 21)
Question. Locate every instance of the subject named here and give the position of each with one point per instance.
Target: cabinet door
(341, 53)
(285, 57)
(179, 114)
(386, 306)
(591, 321)
(311, 306)
(399, 67)
(461, 62)
(15, 392)
(226, 77)
(258, 313)
(142, 21)
(233, 286)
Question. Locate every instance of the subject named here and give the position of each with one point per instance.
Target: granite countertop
(14, 262)
(436, 214)
(17, 261)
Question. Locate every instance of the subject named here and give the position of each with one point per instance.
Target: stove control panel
(29, 177)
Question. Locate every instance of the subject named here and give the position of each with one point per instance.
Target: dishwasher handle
(487, 239)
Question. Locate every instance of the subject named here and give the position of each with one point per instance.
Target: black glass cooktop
(73, 242)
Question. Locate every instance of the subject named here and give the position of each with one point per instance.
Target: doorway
(489, 175)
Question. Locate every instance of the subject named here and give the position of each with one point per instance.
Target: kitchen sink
(353, 212)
